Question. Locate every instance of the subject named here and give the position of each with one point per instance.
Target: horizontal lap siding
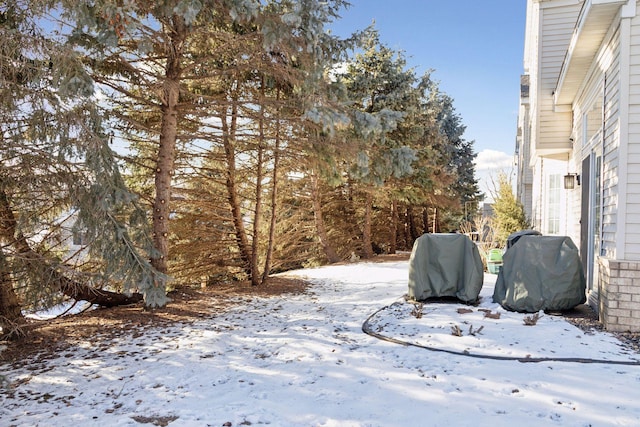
(633, 241)
(632, 235)
(557, 26)
(610, 187)
(552, 31)
(635, 218)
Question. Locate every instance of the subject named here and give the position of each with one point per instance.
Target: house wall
(616, 73)
(599, 92)
(601, 86)
(610, 184)
(619, 295)
(619, 284)
(523, 155)
(552, 127)
(536, 190)
(613, 80)
(630, 152)
(546, 132)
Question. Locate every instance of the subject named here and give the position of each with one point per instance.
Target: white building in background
(579, 124)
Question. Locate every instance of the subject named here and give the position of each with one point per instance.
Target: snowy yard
(303, 360)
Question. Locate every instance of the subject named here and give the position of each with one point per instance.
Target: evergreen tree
(381, 88)
(419, 197)
(271, 93)
(509, 215)
(236, 76)
(57, 176)
(465, 186)
(144, 52)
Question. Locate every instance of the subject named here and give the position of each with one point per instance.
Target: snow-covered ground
(303, 360)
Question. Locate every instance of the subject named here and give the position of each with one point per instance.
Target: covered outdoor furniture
(445, 265)
(514, 237)
(540, 273)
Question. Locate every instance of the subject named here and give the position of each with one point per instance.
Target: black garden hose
(366, 328)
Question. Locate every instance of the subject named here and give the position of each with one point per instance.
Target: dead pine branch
(456, 331)
(417, 310)
(11, 330)
(475, 332)
(531, 320)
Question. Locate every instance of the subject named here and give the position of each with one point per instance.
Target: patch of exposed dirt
(46, 338)
(400, 256)
(155, 420)
(585, 318)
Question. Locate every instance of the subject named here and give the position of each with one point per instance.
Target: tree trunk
(11, 318)
(329, 251)
(54, 279)
(425, 219)
(413, 231)
(256, 278)
(393, 241)
(405, 229)
(367, 246)
(274, 198)
(166, 156)
(228, 134)
(435, 220)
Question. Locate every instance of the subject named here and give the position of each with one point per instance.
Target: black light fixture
(570, 180)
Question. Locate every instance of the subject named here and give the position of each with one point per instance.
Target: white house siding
(632, 158)
(536, 187)
(550, 30)
(556, 27)
(593, 89)
(618, 64)
(615, 76)
(523, 155)
(573, 206)
(610, 182)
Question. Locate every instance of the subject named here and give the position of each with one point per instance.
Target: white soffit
(592, 26)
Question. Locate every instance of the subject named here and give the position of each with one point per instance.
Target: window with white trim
(554, 199)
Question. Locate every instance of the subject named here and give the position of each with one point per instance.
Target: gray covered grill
(445, 265)
(540, 273)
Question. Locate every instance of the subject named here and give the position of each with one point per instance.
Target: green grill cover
(445, 265)
(540, 273)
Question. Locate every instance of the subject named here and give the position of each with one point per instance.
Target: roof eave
(594, 21)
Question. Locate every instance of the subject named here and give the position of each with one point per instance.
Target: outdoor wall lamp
(570, 180)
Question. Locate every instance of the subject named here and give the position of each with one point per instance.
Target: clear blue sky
(475, 48)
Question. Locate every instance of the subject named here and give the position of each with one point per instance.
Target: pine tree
(57, 175)
(379, 86)
(465, 186)
(238, 78)
(415, 198)
(143, 52)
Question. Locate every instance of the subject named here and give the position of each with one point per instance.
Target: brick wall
(619, 295)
